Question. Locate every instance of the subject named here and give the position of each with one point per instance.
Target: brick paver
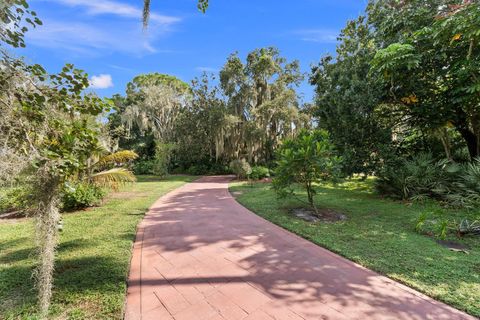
(200, 255)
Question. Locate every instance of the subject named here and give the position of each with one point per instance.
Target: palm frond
(202, 5)
(146, 12)
(116, 158)
(113, 178)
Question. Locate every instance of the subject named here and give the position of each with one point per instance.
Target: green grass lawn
(380, 234)
(93, 256)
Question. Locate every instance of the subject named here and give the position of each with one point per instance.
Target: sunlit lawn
(93, 259)
(380, 234)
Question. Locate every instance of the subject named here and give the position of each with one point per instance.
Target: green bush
(81, 195)
(159, 165)
(259, 172)
(411, 179)
(219, 169)
(198, 170)
(241, 168)
(143, 167)
(15, 199)
(422, 177)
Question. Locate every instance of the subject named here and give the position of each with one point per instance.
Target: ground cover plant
(93, 256)
(380, 234)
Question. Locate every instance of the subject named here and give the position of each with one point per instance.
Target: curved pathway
(200, 255)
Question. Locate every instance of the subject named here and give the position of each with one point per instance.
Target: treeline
(242, 113)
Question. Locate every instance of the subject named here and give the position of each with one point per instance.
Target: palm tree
(104, 169)
(101, 173)
(202, 6)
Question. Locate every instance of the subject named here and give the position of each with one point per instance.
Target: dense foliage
(423, 177)
(405, 80)
(210, 123)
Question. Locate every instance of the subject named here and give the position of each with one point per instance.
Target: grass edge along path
(93, 256)
(379, 234)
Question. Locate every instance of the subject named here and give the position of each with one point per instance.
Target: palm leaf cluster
(99, 175)
(423, 177)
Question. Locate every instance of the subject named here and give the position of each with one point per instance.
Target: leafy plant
(436, 223)
(143, 167)
(259, 172)
(81, 195)
(305, 160)
(241, 168)
(422, 177)
(421, 221)
(15, 199)
(465, 227)
(411, 179)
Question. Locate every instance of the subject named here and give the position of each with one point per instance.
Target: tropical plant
(467, 227)
(422, 177)
(105, 171)
(416, 178)
(306, 160)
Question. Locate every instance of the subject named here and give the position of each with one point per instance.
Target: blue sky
(105, 37)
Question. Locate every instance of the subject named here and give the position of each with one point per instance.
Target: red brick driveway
(201, 255)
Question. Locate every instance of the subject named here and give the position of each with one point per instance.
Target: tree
(430, 65)
(45, 133)
(44, 126)
(201, 128)
(154, 102)
(346, 99)
(306, 160)
(262, 103)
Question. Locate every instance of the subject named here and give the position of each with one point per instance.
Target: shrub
(259, 172)
(410, 179)
(159, 165)
(15, 199)
(198, 170)
(422, 177)
(241, 168)
(81, 195)
(305, 160)
(143, 167)
(435, 223)
(218, 168)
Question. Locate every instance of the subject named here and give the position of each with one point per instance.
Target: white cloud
(102, 81)
(318, 35)
(96, 7)
(99, 38)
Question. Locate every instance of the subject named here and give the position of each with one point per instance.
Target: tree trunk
(47, 220)
(472, 141)
(311, 201)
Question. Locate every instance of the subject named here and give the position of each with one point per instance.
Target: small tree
(306, 159)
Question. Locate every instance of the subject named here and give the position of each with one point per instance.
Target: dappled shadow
(201, 236)
(28, 253)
